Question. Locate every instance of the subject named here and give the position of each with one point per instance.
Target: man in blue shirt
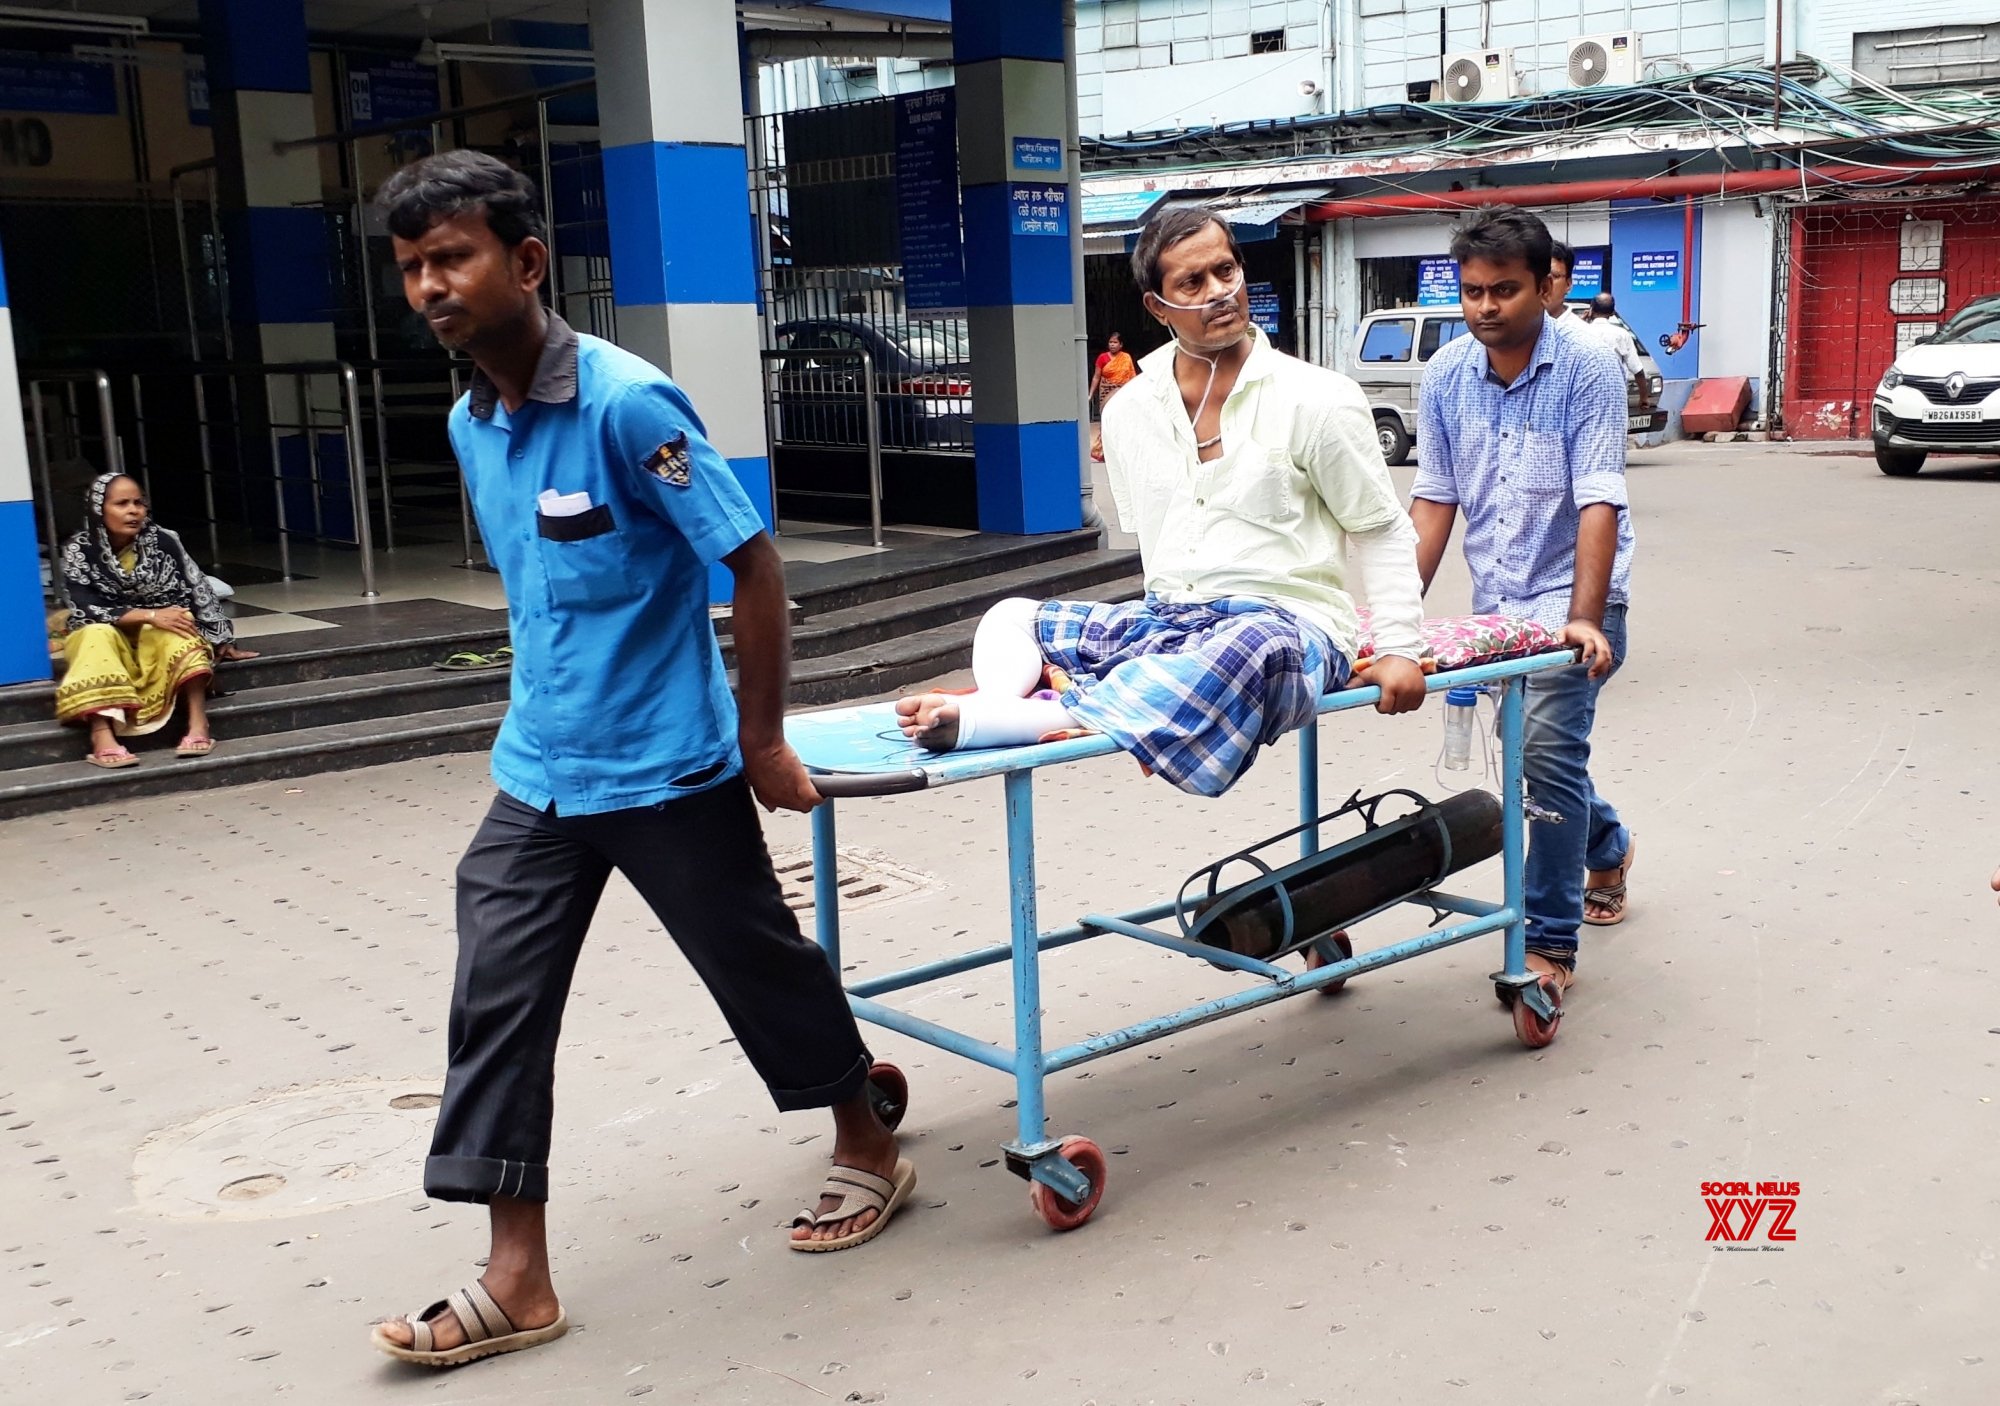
(602, 504)
(1522, 425)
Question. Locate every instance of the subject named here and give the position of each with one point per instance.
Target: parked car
(923, 383)
(1942, 394)
(1393, 346)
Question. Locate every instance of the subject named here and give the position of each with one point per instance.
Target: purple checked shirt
(1522, 462)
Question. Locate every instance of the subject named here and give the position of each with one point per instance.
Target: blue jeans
(1562, 706)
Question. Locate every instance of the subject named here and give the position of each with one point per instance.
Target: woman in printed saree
(145, 629)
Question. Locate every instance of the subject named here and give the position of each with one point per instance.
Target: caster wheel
(1052, 1206)
(1533, 1031)
(889, 1091)
(1327, 951)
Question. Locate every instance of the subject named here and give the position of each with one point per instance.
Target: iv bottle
(1461, 707)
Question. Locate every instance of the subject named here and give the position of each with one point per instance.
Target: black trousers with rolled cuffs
(527, 889)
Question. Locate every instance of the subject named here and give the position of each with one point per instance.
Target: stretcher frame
(849, 752)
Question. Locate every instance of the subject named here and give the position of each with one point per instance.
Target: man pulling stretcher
(1252, 480)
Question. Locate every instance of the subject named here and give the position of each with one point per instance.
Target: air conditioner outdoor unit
(1603, 61)
(1482, 76)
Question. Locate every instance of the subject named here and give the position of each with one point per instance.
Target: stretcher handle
(840, 785)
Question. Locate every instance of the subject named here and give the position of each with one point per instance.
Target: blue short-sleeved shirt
(619, 694)
(1523, 461)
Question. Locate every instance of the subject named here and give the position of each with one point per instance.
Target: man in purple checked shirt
(1522, 427)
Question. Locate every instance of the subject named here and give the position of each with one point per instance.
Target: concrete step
(279, 707)
(276, 756)
(31, 702)
(858, 626)
(836, 586)
(913, 658)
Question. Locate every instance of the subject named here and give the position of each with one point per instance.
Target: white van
(1392, 347)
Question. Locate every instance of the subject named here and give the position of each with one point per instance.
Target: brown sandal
(487, 1331)
(1612, 895)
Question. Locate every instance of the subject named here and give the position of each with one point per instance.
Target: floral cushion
(1464, 641)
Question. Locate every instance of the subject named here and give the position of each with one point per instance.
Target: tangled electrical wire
(1954, 129)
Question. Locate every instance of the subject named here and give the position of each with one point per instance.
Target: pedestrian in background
(1606, 327)
(1114, 368)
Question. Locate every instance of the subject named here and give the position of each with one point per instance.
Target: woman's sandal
(195, 746)
(488, 1331)
(1611, 896)
(111, 759)
(856, 1191)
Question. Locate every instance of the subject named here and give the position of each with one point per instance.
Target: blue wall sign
(1265, 309)
(1657, 272)
(391, 90)
(1038, 153)
(927, 218)
(197, 91)
(1437, 283)
(56, 83)
(1586, 278)
(1126, 207)
(1039, 209)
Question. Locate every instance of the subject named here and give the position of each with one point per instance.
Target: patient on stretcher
(1253, 481)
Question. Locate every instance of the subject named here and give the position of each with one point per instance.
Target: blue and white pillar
(24, 650)
(677, 197)
(260, 93)
(1019, 189)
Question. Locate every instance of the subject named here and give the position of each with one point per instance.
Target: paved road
(219, 1032)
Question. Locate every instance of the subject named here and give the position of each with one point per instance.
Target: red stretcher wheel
(1342, 944)
(1058, 1210)
(889, 1091)
(1534, 1032)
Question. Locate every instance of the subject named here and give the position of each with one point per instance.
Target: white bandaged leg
(1006, 655)
(997, 720)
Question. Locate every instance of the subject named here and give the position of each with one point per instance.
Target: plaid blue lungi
(1192, 691)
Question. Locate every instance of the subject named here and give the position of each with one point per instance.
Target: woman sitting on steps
(145, 629)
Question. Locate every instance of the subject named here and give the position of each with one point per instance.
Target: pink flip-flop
(116, 759)
(194, 746)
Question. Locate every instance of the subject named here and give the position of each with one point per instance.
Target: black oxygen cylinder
(1397, 861)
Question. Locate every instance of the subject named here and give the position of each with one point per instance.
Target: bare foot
(861, 1142)
(1544, 965)
(231, 651)
(931, 721)
(527, 1305)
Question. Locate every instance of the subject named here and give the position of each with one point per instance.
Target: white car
(1942, 395)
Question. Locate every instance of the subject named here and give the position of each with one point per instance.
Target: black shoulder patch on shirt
(671, 462)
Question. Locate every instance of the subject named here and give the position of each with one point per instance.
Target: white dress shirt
(1300, 480)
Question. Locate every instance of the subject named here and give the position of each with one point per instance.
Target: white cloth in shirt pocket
(1259, 485)
(1544, 462)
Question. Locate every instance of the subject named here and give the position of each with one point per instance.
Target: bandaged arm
(1387, 557)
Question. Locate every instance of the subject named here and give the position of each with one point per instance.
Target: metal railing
(310, 421)
(811, 403)
(33, 384)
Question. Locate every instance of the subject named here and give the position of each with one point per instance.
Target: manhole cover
(866, 878)
(293, 1153)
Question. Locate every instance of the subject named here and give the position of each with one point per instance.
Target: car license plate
(1950, 417)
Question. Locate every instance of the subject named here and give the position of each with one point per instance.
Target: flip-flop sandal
(466, 661)
(195, 747)
(487, 1331)
(857, 1191)
(1611, 896)
(111, 761)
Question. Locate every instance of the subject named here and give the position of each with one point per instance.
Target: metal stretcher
(859, 752)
